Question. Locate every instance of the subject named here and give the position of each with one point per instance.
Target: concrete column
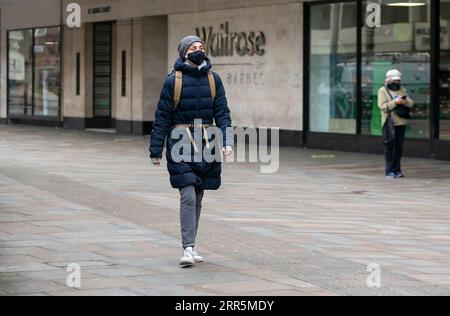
(137, 71)
(88, 70)
(156, 37)
(73, 104)
(123, 111)
(145, 42)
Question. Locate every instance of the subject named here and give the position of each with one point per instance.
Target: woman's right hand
(400, 101)
(156, 161)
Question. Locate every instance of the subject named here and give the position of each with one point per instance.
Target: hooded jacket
(196, 103)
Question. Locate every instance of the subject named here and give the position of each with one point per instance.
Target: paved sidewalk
(311, 229)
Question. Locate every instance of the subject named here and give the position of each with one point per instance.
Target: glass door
(332, 77)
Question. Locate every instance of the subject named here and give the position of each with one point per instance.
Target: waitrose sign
(223, 42)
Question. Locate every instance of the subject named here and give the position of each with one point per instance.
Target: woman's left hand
(227, 150)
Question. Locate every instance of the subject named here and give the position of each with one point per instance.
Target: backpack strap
(390, 95)
(177, 89)
(212, 84)
(179, 85)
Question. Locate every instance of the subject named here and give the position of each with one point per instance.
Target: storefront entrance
(102, 75)
(346, 59)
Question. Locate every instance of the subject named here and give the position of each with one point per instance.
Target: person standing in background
(391, 98)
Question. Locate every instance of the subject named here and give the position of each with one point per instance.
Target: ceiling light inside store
(406, 4)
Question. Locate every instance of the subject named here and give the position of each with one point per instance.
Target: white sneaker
(197, 257)
(188, 257)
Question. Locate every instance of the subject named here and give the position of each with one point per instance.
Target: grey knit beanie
(185, 43)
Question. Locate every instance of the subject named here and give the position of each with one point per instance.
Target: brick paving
(312, 228)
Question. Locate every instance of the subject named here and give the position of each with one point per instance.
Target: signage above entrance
(226, 43)
(99, 10)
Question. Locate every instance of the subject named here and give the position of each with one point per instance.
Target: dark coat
(196, 103)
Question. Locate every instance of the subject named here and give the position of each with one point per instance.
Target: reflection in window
(444, 73)
(20, 72)
(402, 42)
(46, 67)
(47, 64)
(333, 69)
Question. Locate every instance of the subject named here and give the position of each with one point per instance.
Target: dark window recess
(393, 14)
(78, 65)
(124, 73)
(102, 70)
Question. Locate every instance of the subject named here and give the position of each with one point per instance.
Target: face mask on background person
(394, 86)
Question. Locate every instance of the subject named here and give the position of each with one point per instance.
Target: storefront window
(41, 97)
(402, 42)
(444, 73)
(20, 72)
(47, 64)
(333, 68)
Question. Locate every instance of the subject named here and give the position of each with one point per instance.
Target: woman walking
(191, 94)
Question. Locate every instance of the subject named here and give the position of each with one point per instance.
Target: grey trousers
(190, 210)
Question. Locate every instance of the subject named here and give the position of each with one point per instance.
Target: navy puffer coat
(196, 103)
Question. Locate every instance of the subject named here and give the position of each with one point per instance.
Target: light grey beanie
(185, 43)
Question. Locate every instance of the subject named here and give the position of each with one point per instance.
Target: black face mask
(393, 86)
(197, 57)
